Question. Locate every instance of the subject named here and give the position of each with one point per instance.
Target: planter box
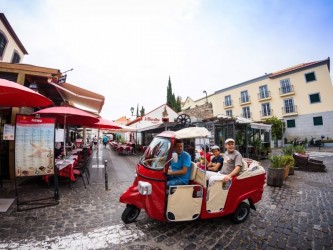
(275, 177)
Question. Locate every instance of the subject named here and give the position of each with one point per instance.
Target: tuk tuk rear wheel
(130, 214)
(241, 213)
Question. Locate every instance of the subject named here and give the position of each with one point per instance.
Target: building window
(16, 57)
(285, 86)
(227, 100)
(291, 123)
(289, 106)
(263, 92)
(318, 120)
(314, 98)
(244, 96)
(246, 112)
(3, 43)
(310, 77)
(228, 112)
(265, 109)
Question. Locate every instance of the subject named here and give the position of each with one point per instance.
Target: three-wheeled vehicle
(201, 198)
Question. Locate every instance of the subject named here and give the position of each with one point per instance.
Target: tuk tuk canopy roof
(192, 132)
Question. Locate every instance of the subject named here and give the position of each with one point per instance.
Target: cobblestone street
(298, 215)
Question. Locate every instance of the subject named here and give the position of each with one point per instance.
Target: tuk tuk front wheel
(241, 214)
(130, 214)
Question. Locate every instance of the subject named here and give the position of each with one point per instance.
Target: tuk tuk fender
(132, 196)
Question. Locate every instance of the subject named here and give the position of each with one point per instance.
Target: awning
(80, 98)
(266, 127)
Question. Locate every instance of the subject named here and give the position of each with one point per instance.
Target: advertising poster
(8, 132)
(34, 146)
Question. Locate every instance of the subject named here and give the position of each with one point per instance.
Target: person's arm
(177, 172)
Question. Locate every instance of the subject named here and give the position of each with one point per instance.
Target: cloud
(126, 50)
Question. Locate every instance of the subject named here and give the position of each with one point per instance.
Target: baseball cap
(229, 140)
(215, 147)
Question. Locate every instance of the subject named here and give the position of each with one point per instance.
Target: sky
(127, 49)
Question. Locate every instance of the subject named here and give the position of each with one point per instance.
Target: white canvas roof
(192, 132)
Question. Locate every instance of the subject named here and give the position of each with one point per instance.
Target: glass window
(227, 100)
(265, 109)
(314, 98)
(285, 86)
(228, 112)
(16, 57)
(318, 120)
(289, 105)
(310, 77)
(244, 96)
(291, 123)
(263, 92)
(156, 154)
(3, 43)
(246, 112)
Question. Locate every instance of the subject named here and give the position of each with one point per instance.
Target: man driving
(179, 172)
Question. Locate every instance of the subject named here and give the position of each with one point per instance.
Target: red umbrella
(68, 115)
(103, 124)
(13, 94)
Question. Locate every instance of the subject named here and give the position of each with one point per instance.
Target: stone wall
(204, 111)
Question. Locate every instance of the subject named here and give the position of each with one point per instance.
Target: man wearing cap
(232, 163)
(179, 173)
(217, 161)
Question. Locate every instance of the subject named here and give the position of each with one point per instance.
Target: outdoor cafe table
(65, 168)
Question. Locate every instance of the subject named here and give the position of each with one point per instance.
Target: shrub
(276, 161)
(288, 150)
(287, 160)
(300, 149)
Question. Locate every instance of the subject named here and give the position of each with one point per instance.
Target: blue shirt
(184, 160)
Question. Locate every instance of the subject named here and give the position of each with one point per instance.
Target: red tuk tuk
(201, 198)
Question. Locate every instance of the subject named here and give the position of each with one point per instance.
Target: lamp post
(205, 92)
(132, 110)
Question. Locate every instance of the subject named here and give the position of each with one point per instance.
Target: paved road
(298, 215)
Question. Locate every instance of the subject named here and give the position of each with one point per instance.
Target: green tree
(142, 111)
(171, 99)
(277, 127)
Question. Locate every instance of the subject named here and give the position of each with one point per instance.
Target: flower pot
(291, 171)
(275, 177)
(286, 172)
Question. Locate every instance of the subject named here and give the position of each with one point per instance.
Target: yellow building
(301, 96)
(11, 48)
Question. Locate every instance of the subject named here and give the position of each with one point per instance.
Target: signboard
(34, 146)
(8, 132)
(59, 135)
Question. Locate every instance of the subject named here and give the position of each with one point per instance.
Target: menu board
(34, 146)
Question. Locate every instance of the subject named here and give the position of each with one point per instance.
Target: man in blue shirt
(179, 173)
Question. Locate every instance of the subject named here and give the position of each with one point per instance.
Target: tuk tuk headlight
(144, 188)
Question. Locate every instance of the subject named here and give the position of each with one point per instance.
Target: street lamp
(132, 110)
(205, 92)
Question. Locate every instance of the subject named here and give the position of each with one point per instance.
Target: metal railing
(265, 113)
(289, 109)
(287, 89)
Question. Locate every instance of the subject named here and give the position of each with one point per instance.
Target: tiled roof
(299, 67)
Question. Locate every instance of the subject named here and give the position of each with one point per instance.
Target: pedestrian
(105, 140)
(95, 140)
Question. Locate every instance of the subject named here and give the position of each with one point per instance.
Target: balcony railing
(289, 110)
(266, 113)
(264, 95)
(244, 100)
(289, 89)
(227, 104)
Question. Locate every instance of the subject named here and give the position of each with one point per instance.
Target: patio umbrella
(68, 115)
(103, 124)
(13, 94)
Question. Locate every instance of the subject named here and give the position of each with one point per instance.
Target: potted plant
(287, 163)
(275, 173)
(256, 143)
(288, 151)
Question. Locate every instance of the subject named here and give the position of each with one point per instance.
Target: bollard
(106, 176)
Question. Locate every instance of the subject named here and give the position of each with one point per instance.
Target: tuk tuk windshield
(156, 154)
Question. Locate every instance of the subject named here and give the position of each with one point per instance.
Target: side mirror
(174, 157)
